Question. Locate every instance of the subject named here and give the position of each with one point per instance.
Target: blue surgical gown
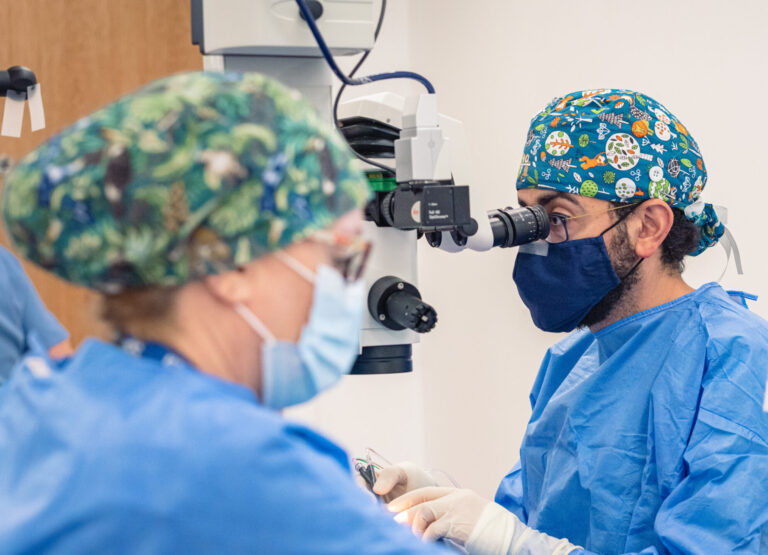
(649, 436)
(22, 315)
(111, 453)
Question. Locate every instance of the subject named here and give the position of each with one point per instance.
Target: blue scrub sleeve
(39, 321)
(272, 494)
(35, 317)
(510, 493)
(283, 494)
(305, 485)
(720, 506)
(717, 501)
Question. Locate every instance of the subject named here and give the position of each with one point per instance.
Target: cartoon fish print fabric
(621, 146)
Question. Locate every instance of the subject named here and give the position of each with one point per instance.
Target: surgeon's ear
(654, 219)
(230, 287)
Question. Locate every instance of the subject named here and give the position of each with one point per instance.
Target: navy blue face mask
(561, 282)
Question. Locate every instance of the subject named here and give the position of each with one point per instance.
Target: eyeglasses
(558, 223)
(349, 255)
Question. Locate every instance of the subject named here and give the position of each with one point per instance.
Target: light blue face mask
(293, 373)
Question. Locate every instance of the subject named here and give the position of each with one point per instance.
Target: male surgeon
(647, 433)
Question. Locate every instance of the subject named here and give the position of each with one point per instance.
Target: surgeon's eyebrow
(546, 198)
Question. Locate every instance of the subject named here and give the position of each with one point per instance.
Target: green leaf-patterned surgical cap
(191, 175)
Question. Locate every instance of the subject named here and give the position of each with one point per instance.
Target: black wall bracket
(16, 78)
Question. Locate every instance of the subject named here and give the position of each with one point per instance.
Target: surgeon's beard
(618, 303)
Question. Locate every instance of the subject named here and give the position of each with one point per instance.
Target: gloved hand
(394, 481)
(482, 527)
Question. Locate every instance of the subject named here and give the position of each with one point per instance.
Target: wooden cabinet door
(85, 54)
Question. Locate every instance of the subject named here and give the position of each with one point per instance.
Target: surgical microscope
(417, 189)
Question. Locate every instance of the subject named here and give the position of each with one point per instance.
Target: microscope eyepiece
(513, 227)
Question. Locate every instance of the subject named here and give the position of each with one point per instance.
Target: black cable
(352, 74)
(360, 61)
(306, 14)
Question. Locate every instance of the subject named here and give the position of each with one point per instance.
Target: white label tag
(540, 248)
(13, 114)
(36, 112)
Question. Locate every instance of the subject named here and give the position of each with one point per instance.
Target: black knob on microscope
(397, 305)
(411, 312)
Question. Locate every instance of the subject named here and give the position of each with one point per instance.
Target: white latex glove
(394, 481)
(482, 527)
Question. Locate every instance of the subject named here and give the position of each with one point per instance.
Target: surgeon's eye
(558, 228)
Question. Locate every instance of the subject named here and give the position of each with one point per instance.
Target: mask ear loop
(632, 271)
(617, 222)
(251, 319)
(257, 325)
(295, 265)
(622, 217)
(266, 336)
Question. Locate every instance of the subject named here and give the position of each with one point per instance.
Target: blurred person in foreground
(220, 219)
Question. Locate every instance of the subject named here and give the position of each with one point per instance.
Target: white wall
(495, 63)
